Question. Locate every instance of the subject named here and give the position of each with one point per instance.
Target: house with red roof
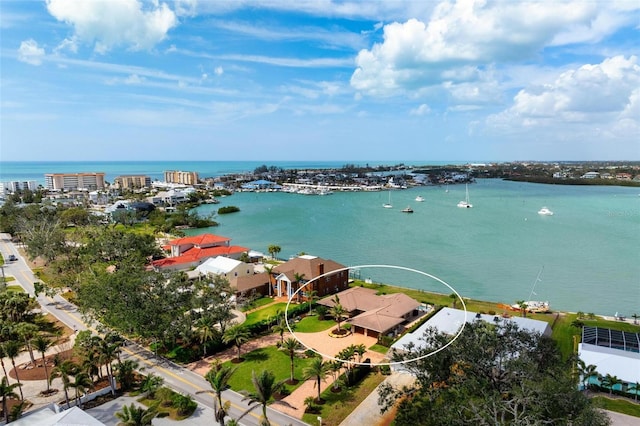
(190, 252)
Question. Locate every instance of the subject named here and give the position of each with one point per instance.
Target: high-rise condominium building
(74, 181)
(132, 182)
(185, 178)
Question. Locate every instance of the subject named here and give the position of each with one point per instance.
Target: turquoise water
(588, 250)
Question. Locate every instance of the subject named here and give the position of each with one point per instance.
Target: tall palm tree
(337, 311)
(27, 331)
(12, 350)
(6, 391)
(81, 383)
(42, 344)
(64, 370)
(207, 331)
(265, 387)
(218, 377)
(347, 355)
(136, 416)
(317, 370)
(636, 388)
(269, 269)
(523, 307)
(587, 372)
(109, 352)
(2, 355)
(280, 327)
(299, 283)
(312, 296)
(238, 335)
(334, 370)
(290, 346)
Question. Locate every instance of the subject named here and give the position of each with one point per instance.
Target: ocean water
(587, 254)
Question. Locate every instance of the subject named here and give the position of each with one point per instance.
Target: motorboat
(419, 198)
(545, 212)
(533, 306)
(465, 204)
(408, 209)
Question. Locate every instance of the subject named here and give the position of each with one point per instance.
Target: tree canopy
(493, 374)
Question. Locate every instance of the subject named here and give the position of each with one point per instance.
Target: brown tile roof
(197, 255)
(306, 265)
(249, 282)
(379, 313)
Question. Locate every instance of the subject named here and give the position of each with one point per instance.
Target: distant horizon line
(390, 162)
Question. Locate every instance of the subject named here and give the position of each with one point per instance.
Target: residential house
(189, 252)
(295, 273)
(375, 315)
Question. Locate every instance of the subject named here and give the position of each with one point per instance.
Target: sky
(467, 80)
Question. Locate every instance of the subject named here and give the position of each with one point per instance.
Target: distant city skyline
(319, 80)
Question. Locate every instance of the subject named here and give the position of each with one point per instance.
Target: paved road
(175, 376)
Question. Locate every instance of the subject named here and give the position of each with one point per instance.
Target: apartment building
(74, 181)
(185, 178)
(132, 182)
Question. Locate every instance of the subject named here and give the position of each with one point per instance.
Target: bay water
(586, 256)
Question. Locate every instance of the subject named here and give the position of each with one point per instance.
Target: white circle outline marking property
(464, 306)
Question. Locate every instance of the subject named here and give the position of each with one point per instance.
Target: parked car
(12, 258)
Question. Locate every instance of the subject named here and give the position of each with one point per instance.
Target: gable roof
(196, 254)
(379, 313)
(249, 282)
(218, 265)
(307, 265)
(199, 240)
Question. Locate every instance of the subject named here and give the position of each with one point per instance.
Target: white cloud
(134, 79)
(461, 38)
(110, 23)
(30, 53)
(421, 110)
(604, 94)
(218, 71)
(186, 7)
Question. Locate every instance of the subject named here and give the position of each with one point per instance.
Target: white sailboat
(465, 204)
(420, 198)
(388, 205)
(534, 306)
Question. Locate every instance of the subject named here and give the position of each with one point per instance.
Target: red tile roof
(199, 240)
(196, 254)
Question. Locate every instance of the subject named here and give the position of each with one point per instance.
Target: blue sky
(319, 80)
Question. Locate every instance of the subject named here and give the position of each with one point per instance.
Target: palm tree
(238, 335)
(42, 344)
(12, 350)
(6, 391)
(2, 355)
(609, 381)
(587, 372)
(454, 298)
(635, 318)
(126, 373)
(109, 352)
(299, 278)
(207, 330)
(27, 332)
(273, 250)
(634, 387)
(265, 386)
(312, 295)
(280, 327)
(523, 307)
(136, 416)
(360, 350)
(334, 370)
(290, 346)
(218, 377)
(269, 269)
(64, 370)
(81, 383)
(337, 311)
(317, 370)
(347, 355)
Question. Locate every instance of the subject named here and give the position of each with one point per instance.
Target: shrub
(228, 209)
(183, 403)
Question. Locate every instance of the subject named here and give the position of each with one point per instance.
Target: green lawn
(338, 406)
(266, 313)
(15, 288)
(618, 405)
(379, 348)
(269, 358)
(258, 303)
(311, 324)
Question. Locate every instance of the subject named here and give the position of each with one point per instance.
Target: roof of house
(379, 312)
(249, 282)
(449, 321)
(218, 265)
(306, 265)
(195, 254)
(199, 240)
(616, 362)
(47, 417)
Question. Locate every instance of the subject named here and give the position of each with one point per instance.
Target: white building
(225, 267)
